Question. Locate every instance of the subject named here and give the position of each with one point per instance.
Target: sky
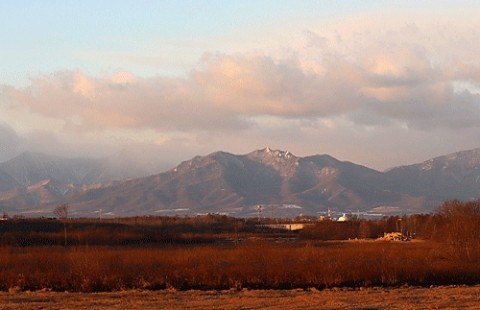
(377, 83)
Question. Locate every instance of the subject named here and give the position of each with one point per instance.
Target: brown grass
(216, 252)
(251, 265)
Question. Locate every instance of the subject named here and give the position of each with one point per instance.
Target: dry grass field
(256, 264)
(226, 263)
(440, 297)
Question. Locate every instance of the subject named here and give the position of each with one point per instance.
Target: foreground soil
(441, 297)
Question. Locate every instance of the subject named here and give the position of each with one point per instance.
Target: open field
(218, 253)
(256, 264)
(225, 263)
(440, 297)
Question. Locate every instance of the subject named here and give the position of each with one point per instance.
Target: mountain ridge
(222, 182)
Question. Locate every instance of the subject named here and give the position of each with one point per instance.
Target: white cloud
(365, 84)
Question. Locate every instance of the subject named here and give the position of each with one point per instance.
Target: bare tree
(61, 212)
(461, 227)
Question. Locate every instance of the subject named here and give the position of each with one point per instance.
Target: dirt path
(443, 297)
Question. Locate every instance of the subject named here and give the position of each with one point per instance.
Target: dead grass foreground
(441, 297)
(253, 265)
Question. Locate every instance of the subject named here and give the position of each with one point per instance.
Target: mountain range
(274, 182)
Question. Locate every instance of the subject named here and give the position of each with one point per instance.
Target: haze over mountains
(282, 183)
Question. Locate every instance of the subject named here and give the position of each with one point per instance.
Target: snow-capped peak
(268, 152)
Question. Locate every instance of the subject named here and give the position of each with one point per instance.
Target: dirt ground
(442, 297)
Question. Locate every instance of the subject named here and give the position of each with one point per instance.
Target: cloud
(10, 143)
(401, 80)
(393, 82)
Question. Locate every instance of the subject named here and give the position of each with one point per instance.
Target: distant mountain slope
(7, 182)
(35, 179)
(453, 176)
(30, 168)
(237, 184)
(278, 181)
